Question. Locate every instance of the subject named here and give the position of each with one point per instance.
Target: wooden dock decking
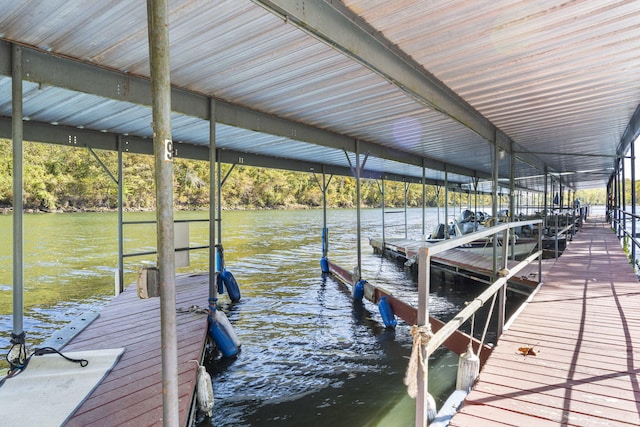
(461, 259)
(131, 394)
(583, 324)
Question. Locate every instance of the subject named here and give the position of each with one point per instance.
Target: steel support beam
(213, 161)
(120, 184)
(343, 30)
(47, 69)
(158, 25)
(17, 136)
(69, 136)
(632, 149)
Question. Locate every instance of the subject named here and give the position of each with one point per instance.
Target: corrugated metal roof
(555, 77)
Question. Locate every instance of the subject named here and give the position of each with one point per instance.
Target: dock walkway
(461, 260)
(583, 324)
(131, 394)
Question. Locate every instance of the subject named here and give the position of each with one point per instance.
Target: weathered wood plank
(132, 393)
(583, 323)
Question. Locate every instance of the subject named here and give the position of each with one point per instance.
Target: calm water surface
(310, 356)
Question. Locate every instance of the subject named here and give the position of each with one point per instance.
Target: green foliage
(594, 196)
(68, 178)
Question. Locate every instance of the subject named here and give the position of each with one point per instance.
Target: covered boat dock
(492, 97)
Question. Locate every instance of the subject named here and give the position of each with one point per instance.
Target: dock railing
(628, 233)
(502, 274)
(573, 220)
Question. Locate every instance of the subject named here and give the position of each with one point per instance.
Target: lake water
(310, 356)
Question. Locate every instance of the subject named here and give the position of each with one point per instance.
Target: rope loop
(421, 336)
(51, 350)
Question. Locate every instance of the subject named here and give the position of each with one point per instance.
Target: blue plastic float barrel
(324, 264)
(222, 333)
(230, 284)
(219, 268)
(219, 260)
(386, 312)
(358, 290)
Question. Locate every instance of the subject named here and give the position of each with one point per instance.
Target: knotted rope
(421, 336)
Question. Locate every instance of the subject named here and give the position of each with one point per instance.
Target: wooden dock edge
(457, 342)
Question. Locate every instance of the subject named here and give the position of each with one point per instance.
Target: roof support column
(158, 26)
(359, 237)
(120, 183)
(633, 202)
(475, 197)
(406, 190)
(383, 213)
(512, 198)
(617, 201)
(446, 203)
(623, 198)
(424, 201)
(494, 202)
(545, 195)
(17, 336)
(213, 187)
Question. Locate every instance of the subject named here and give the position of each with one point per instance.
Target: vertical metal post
(633, 203)
(213, 267)
(546, 197)
(512, 200)
(540, 226)
(406, 190)
(619, 199)
(438, 189)
(219, 202)
(502, 293)
(325, 232)
(623, 199)
(18, 233)
(424, 202)
(475, 196)
(120, 218)
(573, 214)
(556, 236)
(424, 277)
(158, 22)
(446, 203)
(384, 231)
(614, 198)
(358, 226)
(494, 196)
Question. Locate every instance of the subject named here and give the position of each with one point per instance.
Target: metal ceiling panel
(240, 52)
(560, 79)
(557, 77)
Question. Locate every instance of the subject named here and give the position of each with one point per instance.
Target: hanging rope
(39, 352)
(486, 325)
(51, 350)
(421, 336)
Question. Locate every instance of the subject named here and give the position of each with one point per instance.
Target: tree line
(69, 178)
